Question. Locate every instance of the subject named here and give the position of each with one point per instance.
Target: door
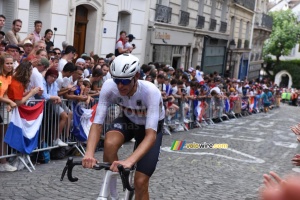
(81, 21)
(243, 69)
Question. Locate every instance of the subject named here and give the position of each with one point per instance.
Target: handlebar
(124, 172)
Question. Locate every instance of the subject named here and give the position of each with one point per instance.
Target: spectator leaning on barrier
(50, 94)
(20, 80)
(6, 71)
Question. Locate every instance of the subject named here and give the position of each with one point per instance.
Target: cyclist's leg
(146, 166)
(118, 133)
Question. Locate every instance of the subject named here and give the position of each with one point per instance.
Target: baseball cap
(45, 62)
(130, 36)
(12, 46)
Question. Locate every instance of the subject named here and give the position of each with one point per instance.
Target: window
(224, 11)
(200, 7)
(213, 9)
(232, 26)
(9, 13)
(163, 2)
(241, 29)
(247, 31)
(184, 5)
(34, 10)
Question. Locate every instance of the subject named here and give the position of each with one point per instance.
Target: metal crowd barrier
(185, 118)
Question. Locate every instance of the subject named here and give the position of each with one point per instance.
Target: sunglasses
(122, 81)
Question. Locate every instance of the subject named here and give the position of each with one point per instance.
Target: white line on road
(251, 159)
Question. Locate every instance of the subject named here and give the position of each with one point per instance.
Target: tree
(284, 36)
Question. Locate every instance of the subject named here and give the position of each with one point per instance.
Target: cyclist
(142, 119)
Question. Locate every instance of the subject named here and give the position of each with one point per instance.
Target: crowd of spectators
(33, 68)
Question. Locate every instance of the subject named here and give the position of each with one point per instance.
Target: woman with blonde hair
(6, 70)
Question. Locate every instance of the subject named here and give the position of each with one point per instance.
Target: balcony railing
(184, 18)
(200, 21)
(223, 27)
(212, 25)
(246, 3)
(239, 44)
(264, 21)
(163, 13)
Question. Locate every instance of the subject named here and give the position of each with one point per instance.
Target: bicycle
(125, 174)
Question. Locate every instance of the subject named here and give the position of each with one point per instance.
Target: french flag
(23, 130)
(82, 121)
(198, 110)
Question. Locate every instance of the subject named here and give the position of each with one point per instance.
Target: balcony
(264, 21)
(163, 13)
(212, 24)
(184, 18)
(223, 27)
(249, 4)
(200, 22)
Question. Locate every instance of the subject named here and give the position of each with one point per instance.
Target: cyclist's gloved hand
(89, 161)
(125, 163)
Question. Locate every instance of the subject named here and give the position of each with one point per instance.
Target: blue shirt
(49, 90)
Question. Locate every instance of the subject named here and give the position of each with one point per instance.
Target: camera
(133, 45)
(55, 29)
(183, 91)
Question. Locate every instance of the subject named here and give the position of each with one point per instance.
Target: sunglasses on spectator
(122, 81)
(56, 53)
(21, 52)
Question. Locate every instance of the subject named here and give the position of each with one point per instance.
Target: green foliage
(284, 34)
(292, 66)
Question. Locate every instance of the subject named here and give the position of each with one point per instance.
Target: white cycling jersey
(145, 107)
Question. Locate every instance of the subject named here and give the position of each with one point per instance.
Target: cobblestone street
(257, 144)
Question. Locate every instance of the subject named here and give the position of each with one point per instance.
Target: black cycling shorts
(146, 164)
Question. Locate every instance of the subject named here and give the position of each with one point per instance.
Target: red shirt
(15, 90)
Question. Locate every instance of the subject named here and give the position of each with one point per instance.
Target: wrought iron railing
(249, 4)
(223, 27)
(264, 21)
(184, 18)
(163, 13)
(213, 24)
(200, 22)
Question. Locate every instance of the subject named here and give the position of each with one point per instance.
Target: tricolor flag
(251, 103)
(23, 130)
(82, 121)
(177, 145)
(227, 106)
(198, 109)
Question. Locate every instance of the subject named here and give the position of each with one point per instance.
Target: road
(257, 144)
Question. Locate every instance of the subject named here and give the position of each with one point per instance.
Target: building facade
(89, 25)
(261, 32)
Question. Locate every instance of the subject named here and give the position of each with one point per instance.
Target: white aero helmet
(124, 66)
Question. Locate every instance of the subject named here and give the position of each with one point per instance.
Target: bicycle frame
(105, 190)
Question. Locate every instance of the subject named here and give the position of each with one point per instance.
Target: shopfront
(170, 47)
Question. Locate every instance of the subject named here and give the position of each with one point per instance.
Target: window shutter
(34, 10)
(9, 12)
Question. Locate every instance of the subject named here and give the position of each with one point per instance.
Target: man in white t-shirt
(36, 78)
(67, 57)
